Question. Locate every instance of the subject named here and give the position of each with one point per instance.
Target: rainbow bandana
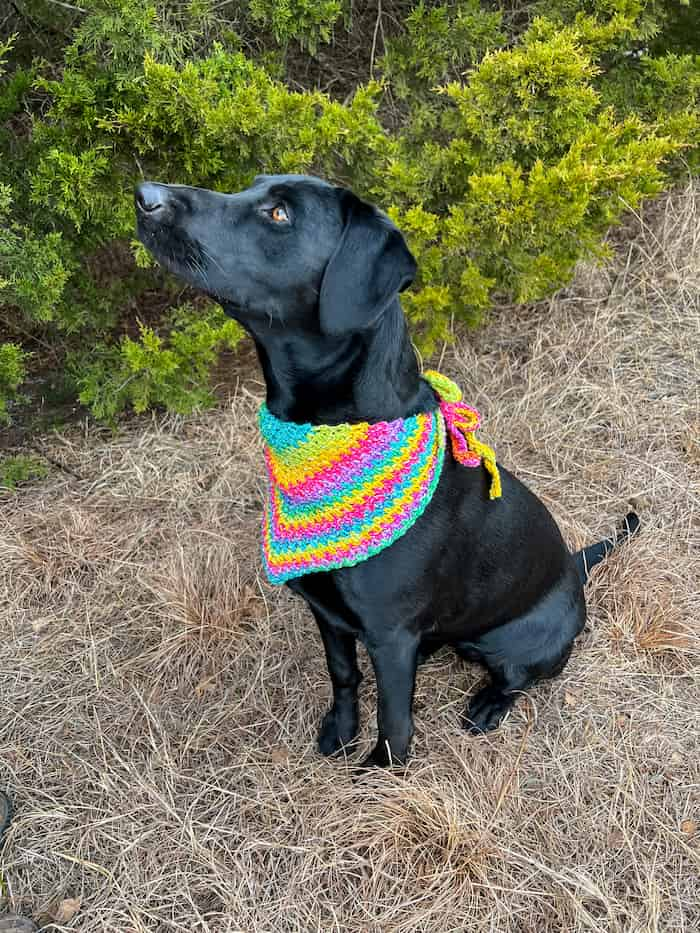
(337, 494)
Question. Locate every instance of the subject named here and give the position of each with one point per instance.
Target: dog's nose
(151, 199)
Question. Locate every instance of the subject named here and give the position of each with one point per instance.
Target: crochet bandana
(337, 494)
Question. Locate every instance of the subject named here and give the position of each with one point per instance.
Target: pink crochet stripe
(453, 413)
(386, 533)
(376, 496)
(348, 464)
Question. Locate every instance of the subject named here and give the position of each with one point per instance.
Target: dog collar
(338, 494)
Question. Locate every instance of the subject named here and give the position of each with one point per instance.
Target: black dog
(313, 274)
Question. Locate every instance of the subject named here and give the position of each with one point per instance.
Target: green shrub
(439, 42)
(504, 144)
(15, 471)
(12, 373)
(305, 20)
(33, 268)
(172, 372)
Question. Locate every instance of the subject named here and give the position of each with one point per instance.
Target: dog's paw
(380, 757)
(486, 710)
(337, 732)
(373, 760)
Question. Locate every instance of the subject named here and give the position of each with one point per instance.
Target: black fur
(318, 293)
(589, 556)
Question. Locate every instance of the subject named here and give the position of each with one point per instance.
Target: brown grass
(160, 702)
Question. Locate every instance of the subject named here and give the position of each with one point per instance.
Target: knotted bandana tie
(462, 421)
(338, 494)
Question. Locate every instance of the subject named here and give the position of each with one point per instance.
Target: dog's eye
(279, 214)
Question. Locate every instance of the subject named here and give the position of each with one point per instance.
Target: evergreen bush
(504, 142)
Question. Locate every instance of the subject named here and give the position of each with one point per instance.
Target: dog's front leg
(339, 725)
(394, 661)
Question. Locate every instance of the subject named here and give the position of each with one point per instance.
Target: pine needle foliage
(504, 142)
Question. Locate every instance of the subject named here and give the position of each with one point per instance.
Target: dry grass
(159, 702)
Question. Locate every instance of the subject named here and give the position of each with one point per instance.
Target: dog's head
(290, 250)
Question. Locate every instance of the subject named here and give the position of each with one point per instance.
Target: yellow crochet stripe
(321, 450)
(488, 458)
(448, 390)
(380, 522)
(350, 502)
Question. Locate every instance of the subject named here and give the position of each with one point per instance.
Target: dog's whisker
(207, 255)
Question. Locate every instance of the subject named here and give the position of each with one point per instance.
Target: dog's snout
(151, 199)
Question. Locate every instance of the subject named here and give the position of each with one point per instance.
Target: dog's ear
(370, 265)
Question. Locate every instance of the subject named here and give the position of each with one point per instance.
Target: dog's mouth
(175, 251)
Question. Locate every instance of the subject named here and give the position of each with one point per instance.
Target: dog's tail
(589, 556)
